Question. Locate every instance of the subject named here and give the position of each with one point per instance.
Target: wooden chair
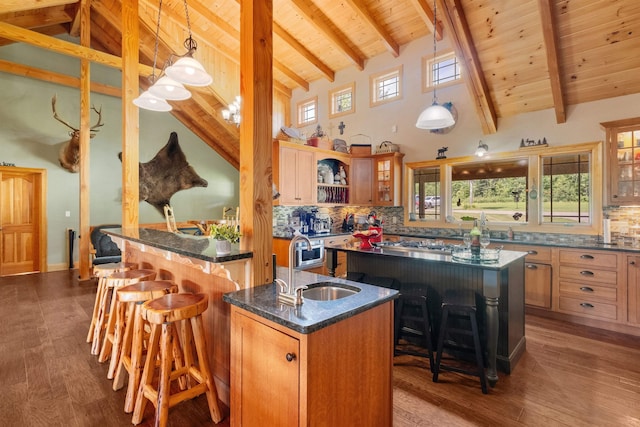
(102, 271)
(129, 333)
(162, 314)
(106, 322)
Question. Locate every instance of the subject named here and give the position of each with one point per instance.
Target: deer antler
(55, 115)
(99, 124)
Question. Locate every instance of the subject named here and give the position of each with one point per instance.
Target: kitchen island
(318, 363)
(193, 264)
(501, 284)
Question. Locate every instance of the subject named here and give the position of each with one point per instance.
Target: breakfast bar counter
(500, 283)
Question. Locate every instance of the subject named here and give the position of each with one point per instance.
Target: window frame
(333, 95)
(534, 178)
(427, 71)
(299, 109)
(377, 78)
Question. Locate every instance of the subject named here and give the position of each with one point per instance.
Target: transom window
(386, 86)
(307, 111)
(440, 71)
(342, 100)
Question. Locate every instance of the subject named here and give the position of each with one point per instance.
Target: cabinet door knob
(532, 266)
(291, 357)
(532, 252)
(586, 256)
(630, 262)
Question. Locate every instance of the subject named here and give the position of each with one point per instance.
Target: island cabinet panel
(339, 375)
(633, 283)
(434, 278)
(590, 284)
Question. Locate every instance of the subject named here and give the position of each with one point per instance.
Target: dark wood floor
(569, 376)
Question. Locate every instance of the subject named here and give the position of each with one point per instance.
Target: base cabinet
(537, 274)
(633, 289)
(338, 375)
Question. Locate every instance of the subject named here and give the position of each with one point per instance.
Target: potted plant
(225, 235)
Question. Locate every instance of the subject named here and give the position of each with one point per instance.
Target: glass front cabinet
(623, 150)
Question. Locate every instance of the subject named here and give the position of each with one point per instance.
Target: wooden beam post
(256, 82)
(130, 118)
(85, 125)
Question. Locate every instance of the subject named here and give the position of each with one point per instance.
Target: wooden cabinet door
(387, 179)
(264, 373)
(362, 181)
(21, 221)
(297, 176)
(306, 177)
(537, 288)
(623, 161)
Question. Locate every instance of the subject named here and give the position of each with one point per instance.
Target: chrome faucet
(288, 293)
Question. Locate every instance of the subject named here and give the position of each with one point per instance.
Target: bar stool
(460, 306)
(162, 314)
(102, 271)
(107, 320)
(129, 333)
(412, 319)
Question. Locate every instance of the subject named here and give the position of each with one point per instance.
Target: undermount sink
(329, 291)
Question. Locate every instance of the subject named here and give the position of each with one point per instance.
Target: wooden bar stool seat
(459, 321)
(102, 271)
(129, 333)
(163, 314)
(106, 322)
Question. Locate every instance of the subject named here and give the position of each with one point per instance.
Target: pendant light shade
(435, 117)
(170, 89)
(189, 71)
(151, 102)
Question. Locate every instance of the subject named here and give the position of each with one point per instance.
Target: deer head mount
(69, 155)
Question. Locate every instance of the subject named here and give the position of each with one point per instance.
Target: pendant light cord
(190, 44)
(155, 49)
(435, 23)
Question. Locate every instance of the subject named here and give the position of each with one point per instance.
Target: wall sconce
(482, 149)
(232, 114)
(185, 71)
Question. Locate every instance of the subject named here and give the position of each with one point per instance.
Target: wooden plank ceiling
(518, 56)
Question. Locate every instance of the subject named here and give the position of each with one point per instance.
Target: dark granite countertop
(199, 247)
(311, 315)
(289, 236)
(505, 257)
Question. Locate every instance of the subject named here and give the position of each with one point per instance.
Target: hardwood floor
(569, 376)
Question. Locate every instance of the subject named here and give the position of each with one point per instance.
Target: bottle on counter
(475, 240)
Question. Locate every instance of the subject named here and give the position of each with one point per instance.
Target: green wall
(31, 137)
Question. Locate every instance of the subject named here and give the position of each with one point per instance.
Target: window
(307, 112)
(386, 86)
(566, 188)
(342, 100)
(550, 189)
(441, 71)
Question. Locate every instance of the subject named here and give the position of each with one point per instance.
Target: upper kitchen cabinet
(362, 181)
(623, 151)
(333, 175)
(387, 179)
(293, 167)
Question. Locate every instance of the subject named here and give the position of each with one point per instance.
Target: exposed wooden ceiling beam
(57, 78)
(293, 76)
(321, 22)
(389, 42)
(426, 13)
(302, 50)
(282, 88)
(550, 34)
(74, 28)
(7, 6)
(457, 27)
(38, 18)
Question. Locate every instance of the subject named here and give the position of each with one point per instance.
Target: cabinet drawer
(536, 254)
(588, 274)
(588, 258)
(589, 308)
(337, 240)
(588, 292)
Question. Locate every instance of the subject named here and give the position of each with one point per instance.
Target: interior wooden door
(22, 226)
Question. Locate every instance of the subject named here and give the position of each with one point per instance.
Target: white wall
(31, 137)
(582, 123)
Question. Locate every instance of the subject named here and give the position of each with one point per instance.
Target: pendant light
(170, 89)
(435, 116)
(482, 149)
(148, 101)
(187, 70)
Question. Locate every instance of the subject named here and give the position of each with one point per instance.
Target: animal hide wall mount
(166, 174)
